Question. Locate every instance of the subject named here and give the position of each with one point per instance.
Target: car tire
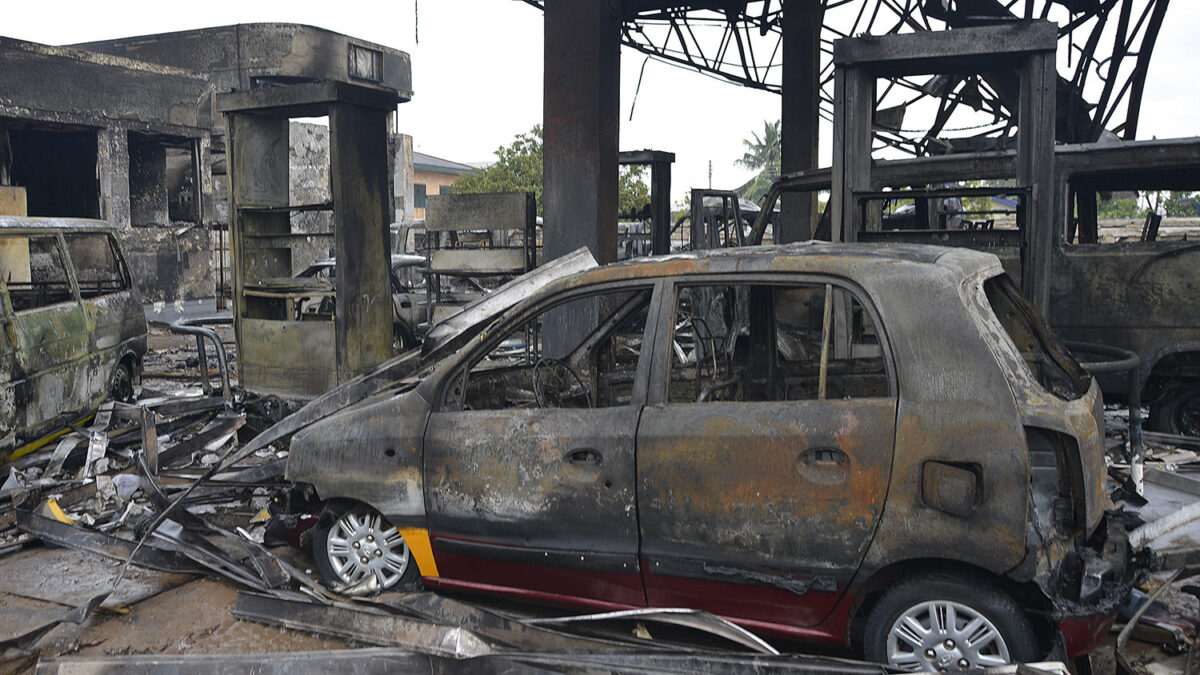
(911, 628)
(122, 383)
(344, 533)
(402, 339)
(1177, 411)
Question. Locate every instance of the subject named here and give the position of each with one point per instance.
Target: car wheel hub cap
(944, 635)
(359, 545)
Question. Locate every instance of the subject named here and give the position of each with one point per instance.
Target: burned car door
(529, 455)
(764, 457)
(47, 329)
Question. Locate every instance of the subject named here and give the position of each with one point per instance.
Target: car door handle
(824, 456)
(583, 456)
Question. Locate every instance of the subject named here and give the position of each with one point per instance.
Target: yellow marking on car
(417, 539)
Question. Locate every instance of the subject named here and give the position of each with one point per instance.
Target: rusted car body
(779, 435)
(74, 331)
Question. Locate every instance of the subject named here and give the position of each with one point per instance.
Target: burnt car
(869, 445)
(73, 329)
(410, 302)
(408, 307)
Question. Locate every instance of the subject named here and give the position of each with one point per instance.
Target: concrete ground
(149, 613)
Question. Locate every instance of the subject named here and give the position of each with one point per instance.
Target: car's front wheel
(353, 543)
(943, 622)
(122, 382)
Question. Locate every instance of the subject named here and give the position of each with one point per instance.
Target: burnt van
(74, 332)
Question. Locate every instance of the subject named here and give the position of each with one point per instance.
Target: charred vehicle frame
(74, 331)
(773, 434)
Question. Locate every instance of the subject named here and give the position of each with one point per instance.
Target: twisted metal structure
(1104, 55)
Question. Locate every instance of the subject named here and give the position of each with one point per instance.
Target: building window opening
(57, 167)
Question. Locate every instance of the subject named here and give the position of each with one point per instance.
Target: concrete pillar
(112, 168)
(581, 122)
(402, 179)
(358, 166)
(800, 113)
(660, 206)
(854, 89)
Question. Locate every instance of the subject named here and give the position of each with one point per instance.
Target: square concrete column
(112, 165)
(581, 123)
(358, 167)
(800, 114)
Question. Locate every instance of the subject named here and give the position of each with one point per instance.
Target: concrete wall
(433, 182)
(402, 177)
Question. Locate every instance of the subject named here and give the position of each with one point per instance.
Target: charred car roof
(812, 257)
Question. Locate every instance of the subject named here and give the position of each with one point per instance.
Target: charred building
(125, 131)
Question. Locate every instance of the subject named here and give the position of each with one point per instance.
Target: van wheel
(122, 387)
(945, 622)
(1177, 411)
(353, 543)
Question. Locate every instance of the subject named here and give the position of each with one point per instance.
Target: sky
(477, 74)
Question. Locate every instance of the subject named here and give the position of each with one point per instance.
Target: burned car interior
(34, 272)
(776, 342)
(519, 369)
(731, 342)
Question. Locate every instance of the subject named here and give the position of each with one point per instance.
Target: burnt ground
(154, 612)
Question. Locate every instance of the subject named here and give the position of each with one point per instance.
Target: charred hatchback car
(846, 444)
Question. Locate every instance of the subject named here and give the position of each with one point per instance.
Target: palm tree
(762, 154)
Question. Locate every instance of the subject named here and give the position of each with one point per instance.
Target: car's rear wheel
(1177, 411)
(353, 543)
(948, 623)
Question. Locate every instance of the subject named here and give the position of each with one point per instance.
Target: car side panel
(369, 452)
(761, 510)
(527, 498)
(956, 409)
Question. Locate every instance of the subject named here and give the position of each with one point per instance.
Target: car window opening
(34, 271)
(743, 342)
(1046, 356)
(598, 370)
(98, 270)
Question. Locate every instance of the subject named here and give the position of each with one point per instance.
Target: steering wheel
(554, 372)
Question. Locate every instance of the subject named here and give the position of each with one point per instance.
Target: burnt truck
(1133, 289)
(73, 329)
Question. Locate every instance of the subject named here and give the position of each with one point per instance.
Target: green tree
(1182, 204)
(518, 168)
(633, 195)
(762, 155)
